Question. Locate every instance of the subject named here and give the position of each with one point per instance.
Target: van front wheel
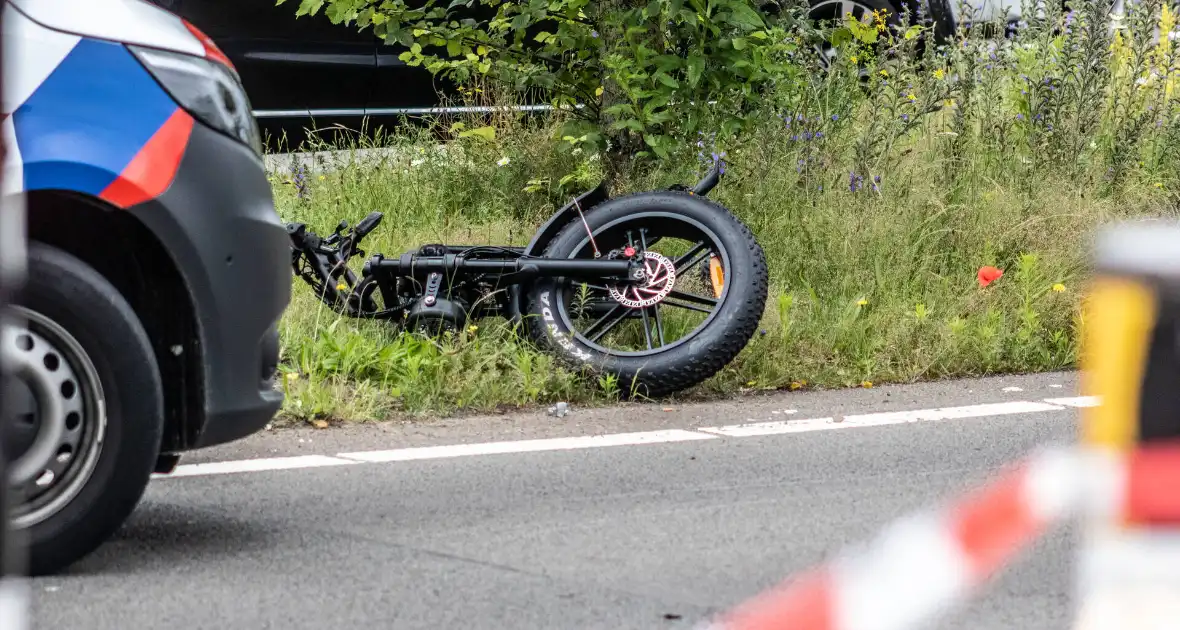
(89, 409)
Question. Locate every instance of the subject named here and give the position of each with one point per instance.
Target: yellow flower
(292, 376)
(342, 287)
(751, 383)
(950, 102)
(884, 73)
(911, 97)
(866, 384)
(854, 58)
(322, 178)
(1159, 185)
(862, 302)
(472, 328)
(939, 74)
(1059, 287)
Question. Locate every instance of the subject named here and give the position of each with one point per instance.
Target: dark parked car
(297, 70)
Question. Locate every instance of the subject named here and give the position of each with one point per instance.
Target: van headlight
(209, 90)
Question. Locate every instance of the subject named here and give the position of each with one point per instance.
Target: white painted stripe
(1077, 401)
(776, 427)
(881, 419)
(911, 573)
(619, 439)
(257, 465)
(526, 446)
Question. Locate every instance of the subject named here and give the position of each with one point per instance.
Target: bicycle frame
(454, 282)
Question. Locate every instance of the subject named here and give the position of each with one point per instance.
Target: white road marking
(526, 446)
(750, 429)
(257, 465)
(1079, 401)
(880, 419)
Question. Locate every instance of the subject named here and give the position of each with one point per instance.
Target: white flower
(503, 161)
(417, 162)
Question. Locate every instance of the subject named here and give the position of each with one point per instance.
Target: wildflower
(1019, 116)
(910, 97)
(292, 376)
(472, 328)
(503, 161)
(594, 34)
(1059, 288)
(862, 302)
(1159, 185)
(853, 58)
(835, 117)
(322, 178)
(866, 384)
(939, 74)
(342, 287)
(988, 275)
(884, 73)
(948, 102)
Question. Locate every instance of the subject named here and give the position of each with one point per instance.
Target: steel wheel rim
(714, 243)
(71, 415)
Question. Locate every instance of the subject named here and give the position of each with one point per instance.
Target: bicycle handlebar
(367, 224)
(712, 178)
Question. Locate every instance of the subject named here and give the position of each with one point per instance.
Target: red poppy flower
(988, 275)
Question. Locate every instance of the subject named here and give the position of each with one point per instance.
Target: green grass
(867, 286)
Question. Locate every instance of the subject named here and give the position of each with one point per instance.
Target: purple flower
(835, 117)
(1019, 116)
(594, 34)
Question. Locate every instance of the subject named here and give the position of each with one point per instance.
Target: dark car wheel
(90, 406)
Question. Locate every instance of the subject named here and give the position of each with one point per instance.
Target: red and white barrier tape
(14, 604)
(1129, 569)
(921, 566)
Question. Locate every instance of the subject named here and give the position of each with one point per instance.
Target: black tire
(699, 355)
(123, 450)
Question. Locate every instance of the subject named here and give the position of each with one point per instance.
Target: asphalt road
(634, 536)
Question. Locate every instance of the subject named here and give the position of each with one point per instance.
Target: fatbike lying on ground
(661, 289)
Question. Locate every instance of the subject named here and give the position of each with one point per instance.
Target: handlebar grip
(711, 180)
(368, 224)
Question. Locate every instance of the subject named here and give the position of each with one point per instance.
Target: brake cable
(597, 254)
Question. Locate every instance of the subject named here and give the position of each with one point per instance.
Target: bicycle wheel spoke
(693, 297)
(696, 255)
(691, 307)
(646, 328)
(606, 323)
(655, 311)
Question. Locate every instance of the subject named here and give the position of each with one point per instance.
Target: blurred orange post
(1129, 569)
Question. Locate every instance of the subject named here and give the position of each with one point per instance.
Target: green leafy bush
(638, 77)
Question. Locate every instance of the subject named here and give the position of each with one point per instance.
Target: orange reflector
(716, 275)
